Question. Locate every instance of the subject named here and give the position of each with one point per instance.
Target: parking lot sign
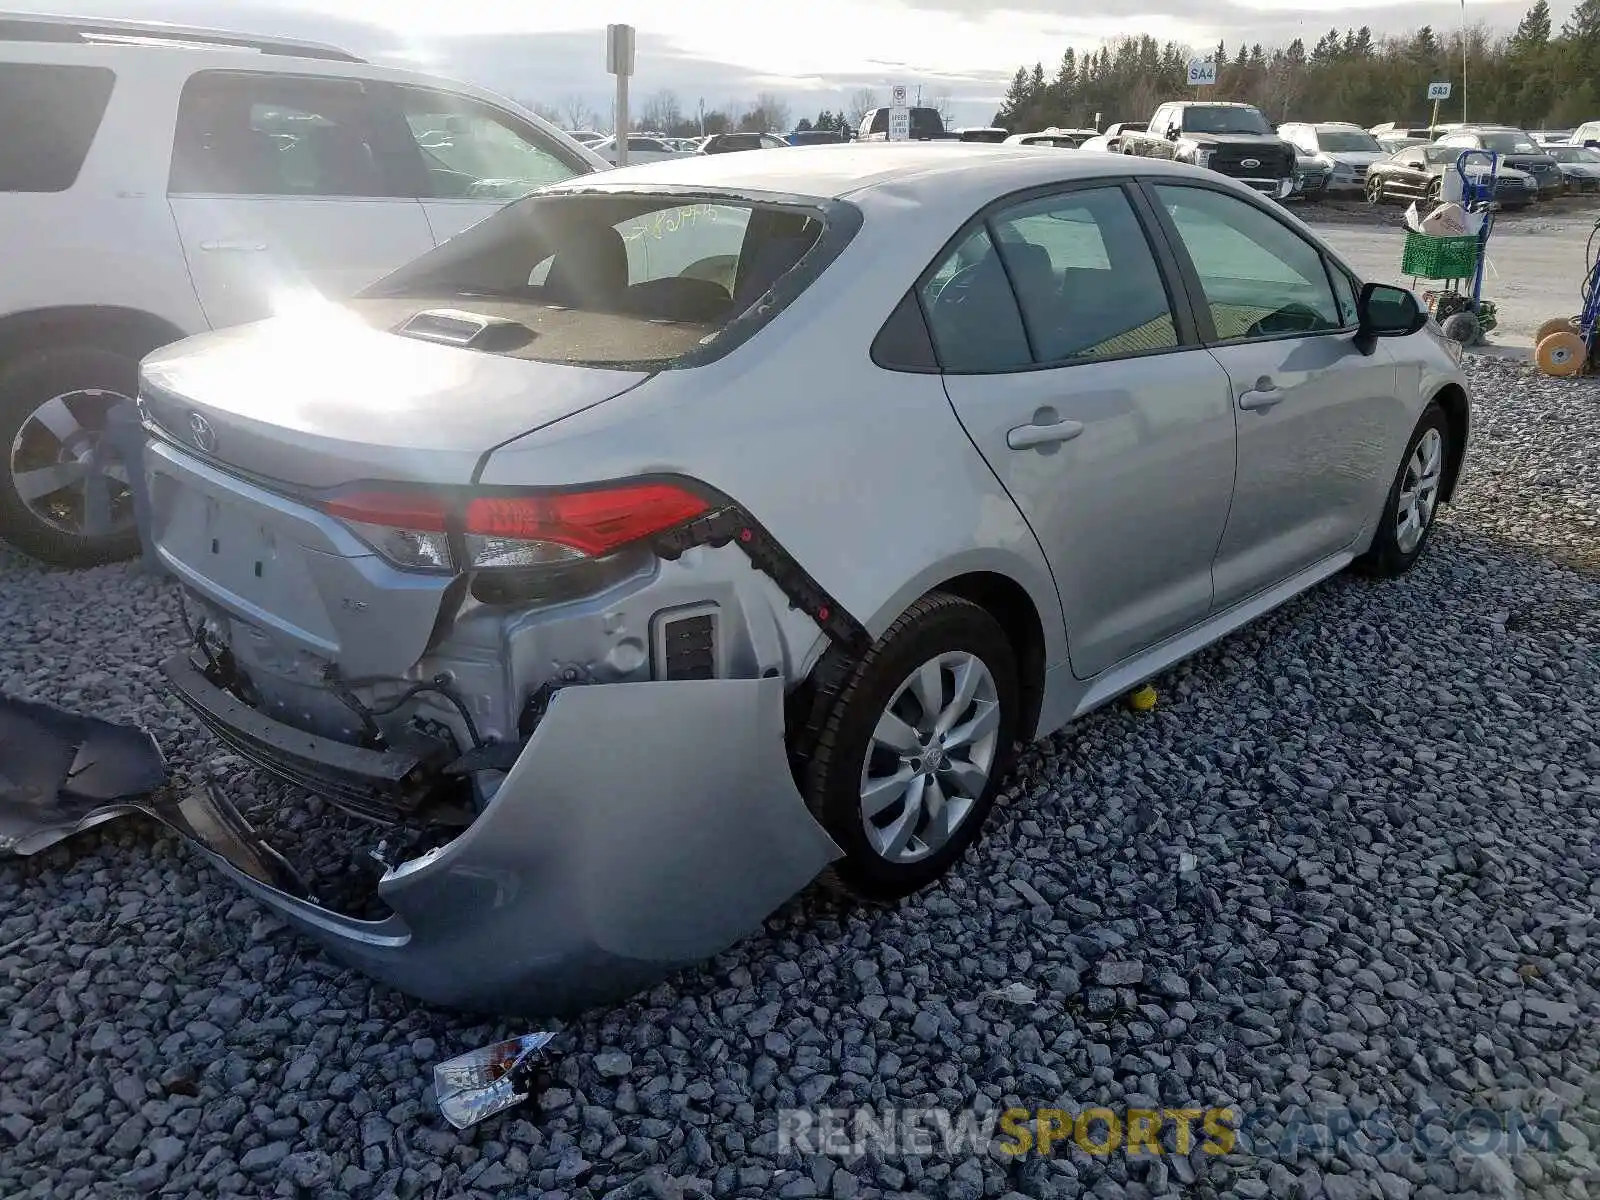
(1439, 89)
(900, 123)
(899, 96)
(1202, 72)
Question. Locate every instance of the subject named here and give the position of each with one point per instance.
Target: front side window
(1260, 278)
(1085, 277)
(624, 278)
(276, 135)
(473, 152)
(49, 116)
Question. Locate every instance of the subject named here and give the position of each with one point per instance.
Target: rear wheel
(64, 497)
(1433, 191)
(1375, 192)
(912, 755)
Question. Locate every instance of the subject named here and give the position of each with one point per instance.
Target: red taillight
(593, 523)
(421, 511)
(507, 529)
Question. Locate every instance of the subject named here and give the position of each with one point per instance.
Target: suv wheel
(911, 758)
(64, 496)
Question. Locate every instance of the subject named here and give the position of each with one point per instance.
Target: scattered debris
(1142, 699)
(1013, 993)
(480, 1083)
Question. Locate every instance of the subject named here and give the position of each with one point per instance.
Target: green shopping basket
(1439, 257)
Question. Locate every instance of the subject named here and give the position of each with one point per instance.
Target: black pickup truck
(1232, 139)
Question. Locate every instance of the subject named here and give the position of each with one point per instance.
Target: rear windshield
(629, 279)
(48, 118)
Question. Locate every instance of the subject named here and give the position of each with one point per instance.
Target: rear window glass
(628, 278)
(48, 118)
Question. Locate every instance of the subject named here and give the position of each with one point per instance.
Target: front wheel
(1375, 191)
(911, 756)
(1413, 500)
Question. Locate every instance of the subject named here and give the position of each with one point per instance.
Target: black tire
(1375, 192)
(28, 383)
(1433, 191)
(1385, 559)
(937, 624)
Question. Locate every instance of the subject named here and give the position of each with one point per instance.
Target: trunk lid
(325, 399)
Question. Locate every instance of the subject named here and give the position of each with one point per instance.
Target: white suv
(157, 181)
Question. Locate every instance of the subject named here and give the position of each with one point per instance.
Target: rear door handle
(1046, 430)
(246, 247)
(1263, 396)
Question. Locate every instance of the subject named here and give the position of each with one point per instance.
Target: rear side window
(277, 135)
(48, 118)
(1085, 277)
(628, 278)
(473, 152)
(972, 311)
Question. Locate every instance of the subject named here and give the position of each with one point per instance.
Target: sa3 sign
(1202, 72)
(1439, 89)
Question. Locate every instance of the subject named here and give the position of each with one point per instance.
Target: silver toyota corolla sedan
(676, 536)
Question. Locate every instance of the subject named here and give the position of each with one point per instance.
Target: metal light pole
(1463, 62)
(619, 62)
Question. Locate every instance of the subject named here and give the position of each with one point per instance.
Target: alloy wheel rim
(64, 469)
(1419, 491)
(930, 757)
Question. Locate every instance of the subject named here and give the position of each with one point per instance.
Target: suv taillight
(432, 530)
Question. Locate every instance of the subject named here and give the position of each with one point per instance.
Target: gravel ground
(1353, 859)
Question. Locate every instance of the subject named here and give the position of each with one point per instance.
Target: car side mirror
(1384, 310)
(1172, 133)
(1592, 144)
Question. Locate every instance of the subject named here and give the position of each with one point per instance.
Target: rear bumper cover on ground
(646, 827)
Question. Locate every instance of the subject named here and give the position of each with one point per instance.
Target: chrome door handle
(1045, 433)
(1260, 401)
(247, 247)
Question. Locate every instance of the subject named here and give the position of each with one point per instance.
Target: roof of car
(832, 172)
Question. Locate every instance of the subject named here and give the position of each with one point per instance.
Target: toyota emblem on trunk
(201, 432)
(1250, 163)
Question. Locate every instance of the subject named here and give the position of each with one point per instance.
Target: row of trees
(662, 112)
(1532, 78)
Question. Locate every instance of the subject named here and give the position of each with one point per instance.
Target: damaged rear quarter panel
(646, 827)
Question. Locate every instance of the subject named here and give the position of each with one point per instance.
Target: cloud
(722, 53)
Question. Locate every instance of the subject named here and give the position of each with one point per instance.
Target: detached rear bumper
(646, 827)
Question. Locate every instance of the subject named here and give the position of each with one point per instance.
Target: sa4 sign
(1202, 72)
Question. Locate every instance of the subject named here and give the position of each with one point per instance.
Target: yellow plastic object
(1555, 325)
(1142, 699)
(1561, 354)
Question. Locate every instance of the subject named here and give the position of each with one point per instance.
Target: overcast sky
(813, 54)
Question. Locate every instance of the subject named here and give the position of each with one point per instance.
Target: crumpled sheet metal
(61, 773)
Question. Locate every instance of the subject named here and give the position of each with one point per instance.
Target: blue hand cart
(1457, 262)
(1565, 346)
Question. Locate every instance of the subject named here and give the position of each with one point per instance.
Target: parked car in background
(814, 137)
(1515, 148)
(641, 149)
(1311, 175)
(1392, 143)
(1587, 134)
(1228, 138)
(1099, 143)
(1417, 173)
(1065, 139)
(926, 126)
(639, 604)
(728, 143)
(157, 180)
(587, 137)
(1116, 129)
(991, 134)
(1346, 150)
(1552, 137)
(1579, 166)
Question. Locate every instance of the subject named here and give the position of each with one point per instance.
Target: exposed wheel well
(1010, 605)
(129, 331)
(1454, 402)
